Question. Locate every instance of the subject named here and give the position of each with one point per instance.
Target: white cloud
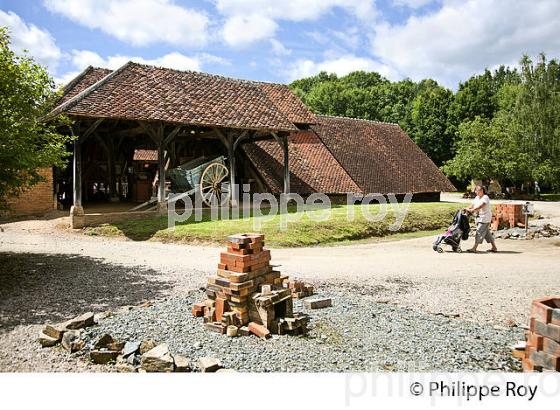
(413, 4)
(349, 38)
(278, 49)
(295, 10)
(83, 58)
(240, 31)
(341, 66)
(39, 43)
(248, 21)
(80, 59)
(139, 22)
(463, 38)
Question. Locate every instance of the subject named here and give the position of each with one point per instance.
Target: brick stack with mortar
(247, 295)
(507, 216)
(542, 351)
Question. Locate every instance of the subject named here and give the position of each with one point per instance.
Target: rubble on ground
(127, 356)
(533, 232)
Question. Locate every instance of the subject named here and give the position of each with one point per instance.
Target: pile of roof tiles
(247, 296)
(542, 351)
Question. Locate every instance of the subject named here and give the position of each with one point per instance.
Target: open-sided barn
(138, 126)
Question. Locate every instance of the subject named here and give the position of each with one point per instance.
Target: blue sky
(280, 41)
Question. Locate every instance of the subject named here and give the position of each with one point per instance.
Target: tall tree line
(502, 124)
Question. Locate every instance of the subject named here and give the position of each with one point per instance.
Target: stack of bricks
(247, 295)
(299, 288)
(507, 216)
(542, 351)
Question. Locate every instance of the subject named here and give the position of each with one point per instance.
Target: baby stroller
(459, 230)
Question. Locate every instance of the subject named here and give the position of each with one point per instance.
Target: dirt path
(491, 287)
(51, 274)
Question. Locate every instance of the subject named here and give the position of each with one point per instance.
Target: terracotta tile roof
(289, 103)
(145, 155)
(140, 92)
(380, 157)
(85, 79)
(312, 166)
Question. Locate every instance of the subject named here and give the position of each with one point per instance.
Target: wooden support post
(77, 173)
(228, 141)
(161, 166)
(286, 166)
(157, 136)
(283, 141)
(77, 217)
(113, 191)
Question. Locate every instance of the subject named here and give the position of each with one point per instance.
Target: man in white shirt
(481, 204)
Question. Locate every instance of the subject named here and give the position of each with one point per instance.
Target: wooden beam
(242, 137)
(129, 131)
(89, 131)
(152, 133)
(103, 144)
(172, 135)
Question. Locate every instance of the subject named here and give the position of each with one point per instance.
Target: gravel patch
(356, 334)
(20, 352)
(38, 288)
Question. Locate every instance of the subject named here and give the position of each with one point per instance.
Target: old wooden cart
(207, 178)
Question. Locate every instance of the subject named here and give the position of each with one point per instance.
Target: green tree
(430, 122)
(486, 149)
(27, 93)
(521, 142)
(538, 112)
(478, 96)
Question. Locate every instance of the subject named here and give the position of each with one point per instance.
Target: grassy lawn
(422, 218)
(550, 197)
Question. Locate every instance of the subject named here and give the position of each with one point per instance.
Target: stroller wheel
(459, 250)
(439, 249)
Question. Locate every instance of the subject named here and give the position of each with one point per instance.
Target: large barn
(138, 128)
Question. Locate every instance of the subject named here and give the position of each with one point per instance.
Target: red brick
(550, 346)
(527, 365)
(259, 330)
(36, 200)
(541, 312)
(535, 340)
(221, 307)
(257, 247)
(547, 330)
(198, 309)
(545, 360)
(217, 327)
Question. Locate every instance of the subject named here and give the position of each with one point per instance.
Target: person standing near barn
(481, 205)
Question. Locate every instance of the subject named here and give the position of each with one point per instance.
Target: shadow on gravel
(36, 288)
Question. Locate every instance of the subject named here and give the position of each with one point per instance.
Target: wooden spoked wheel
(214, 185)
